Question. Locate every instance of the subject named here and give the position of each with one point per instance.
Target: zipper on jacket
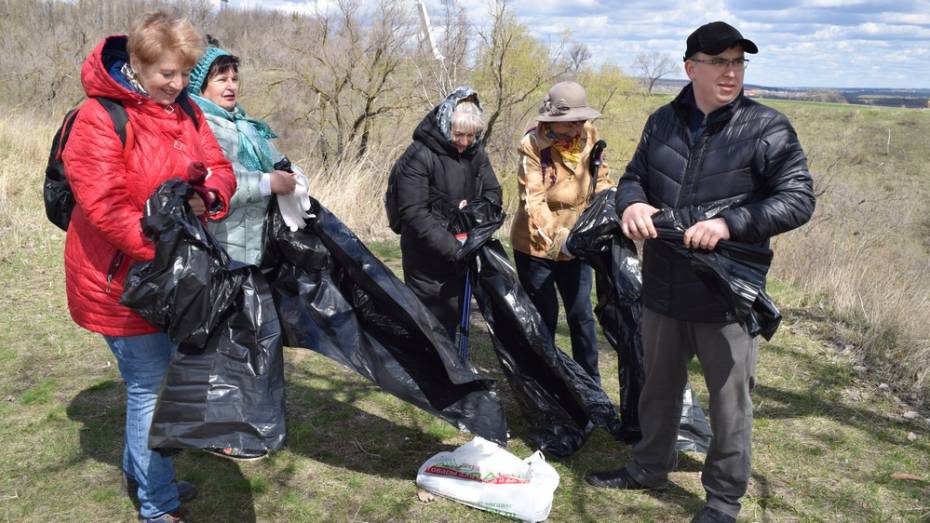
(115, 264)
(694, 164)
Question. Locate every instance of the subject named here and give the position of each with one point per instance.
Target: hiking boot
(238, 454)
(177, 516)
(618, 479)
(712, 515)
(186, 490)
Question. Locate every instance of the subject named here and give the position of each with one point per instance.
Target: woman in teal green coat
(214, 85)
(246, 142)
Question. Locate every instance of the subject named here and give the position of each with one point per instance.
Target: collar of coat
(684, 103)
(590, 133)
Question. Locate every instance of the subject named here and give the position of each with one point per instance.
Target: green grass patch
(826, 443)
(41, 393)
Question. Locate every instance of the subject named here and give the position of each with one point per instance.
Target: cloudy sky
(802, 43)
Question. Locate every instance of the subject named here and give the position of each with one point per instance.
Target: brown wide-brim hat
(566, 102)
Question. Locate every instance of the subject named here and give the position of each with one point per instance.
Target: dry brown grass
(24, 143)
(865, 256)
(354, 192)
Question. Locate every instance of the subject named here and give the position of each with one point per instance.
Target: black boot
(619, 479)
(712, 515)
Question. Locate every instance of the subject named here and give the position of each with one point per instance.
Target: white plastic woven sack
(481, 474)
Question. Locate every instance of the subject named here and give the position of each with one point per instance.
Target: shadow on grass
(338, 418)
(224, 493)
(604, 453)
(822, 398)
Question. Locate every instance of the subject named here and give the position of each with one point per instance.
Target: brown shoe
(186, 491)
(177, 516)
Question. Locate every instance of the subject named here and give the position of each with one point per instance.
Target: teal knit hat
(199, 72)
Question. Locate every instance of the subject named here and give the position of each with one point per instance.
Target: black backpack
(390, 195)
(436, 196)
(59, 200)
(390, 200)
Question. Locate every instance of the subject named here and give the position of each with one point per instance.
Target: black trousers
(541, 278)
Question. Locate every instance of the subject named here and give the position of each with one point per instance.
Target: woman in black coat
(444, 169)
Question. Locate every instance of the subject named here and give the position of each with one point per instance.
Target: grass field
(829, 443)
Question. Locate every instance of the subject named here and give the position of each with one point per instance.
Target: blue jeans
(143, 362)
(540, 277)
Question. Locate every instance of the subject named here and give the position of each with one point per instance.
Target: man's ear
(689, 69)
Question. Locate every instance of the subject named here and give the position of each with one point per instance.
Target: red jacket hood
(95, 74)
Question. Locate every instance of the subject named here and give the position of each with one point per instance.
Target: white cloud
(831, 32)
(818, 43)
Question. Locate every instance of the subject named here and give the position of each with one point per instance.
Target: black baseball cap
(715, 38)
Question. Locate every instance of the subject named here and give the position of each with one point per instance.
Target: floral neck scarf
(133, 80)
(569, 150)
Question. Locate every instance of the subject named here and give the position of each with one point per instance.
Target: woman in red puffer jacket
(147, 72)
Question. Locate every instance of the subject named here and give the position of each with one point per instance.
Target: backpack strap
(120, 123)
(545, 155)
(596, 158)
(545, 159)
(58, 145)
(185, 103)
(435, 195)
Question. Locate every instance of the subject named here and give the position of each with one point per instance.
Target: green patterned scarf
(254, 153)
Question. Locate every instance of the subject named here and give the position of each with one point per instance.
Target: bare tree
(653, 66)
(354, 58)
(578, 56)
(346, 81)
(512, 66)
(455, 41)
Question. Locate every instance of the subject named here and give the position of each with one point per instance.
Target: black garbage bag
(737, 270)
(187, 288)
(225, 386)
(480, 220)
(336, 298)
(693, 430)
(561, 403)
(597, 239)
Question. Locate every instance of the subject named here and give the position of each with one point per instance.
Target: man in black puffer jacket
(710, 144)
(444, 168)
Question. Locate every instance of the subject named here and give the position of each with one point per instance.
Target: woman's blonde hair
(156, 33)
(467, 117)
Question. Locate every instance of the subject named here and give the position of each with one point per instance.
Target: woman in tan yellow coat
(555, 187)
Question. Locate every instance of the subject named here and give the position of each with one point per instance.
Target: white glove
(295, 206)
(264, 184)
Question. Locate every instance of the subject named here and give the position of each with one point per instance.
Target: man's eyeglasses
(722, 64)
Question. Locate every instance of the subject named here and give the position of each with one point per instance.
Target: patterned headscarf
(447, 107)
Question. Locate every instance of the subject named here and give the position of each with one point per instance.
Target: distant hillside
(908, 98)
